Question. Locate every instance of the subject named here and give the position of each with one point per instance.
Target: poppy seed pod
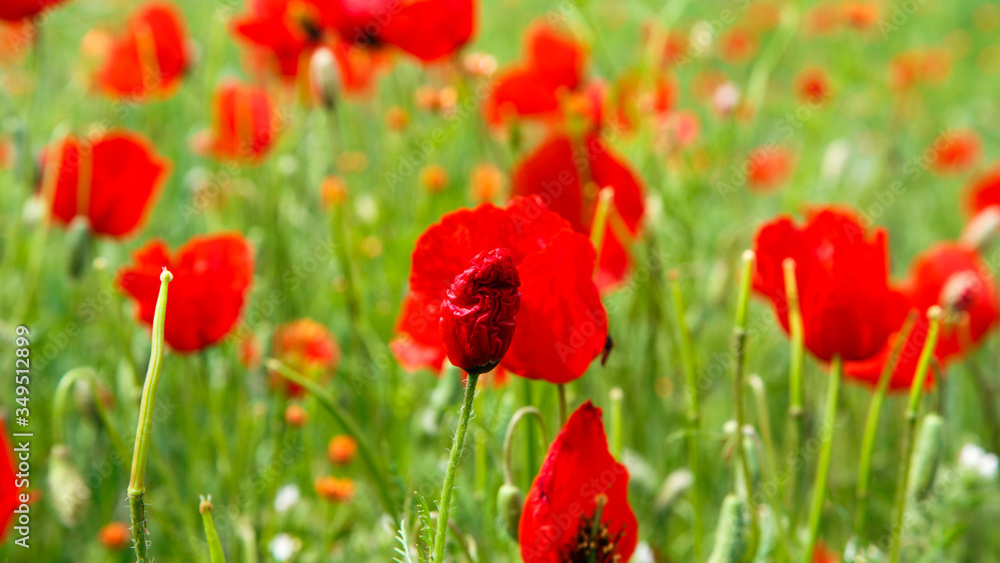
(477, 315)
(510, 501)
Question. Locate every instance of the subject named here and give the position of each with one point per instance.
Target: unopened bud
(731, 534)
(926, 457)
(510, 503)
(323, 77)
(68, 490)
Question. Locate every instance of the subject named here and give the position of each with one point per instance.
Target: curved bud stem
(137, 482)
(508, 439)
(62, 400)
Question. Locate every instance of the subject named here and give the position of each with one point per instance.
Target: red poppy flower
(955, 151)
(9, 494)
(738, 45)
(246, 123)
(16, 38)
(286, 29)
(579, 482)
(430, 29)
(848, 307)
(12, 10)
(640, 99)
(307, 347)
(767, 168)
(567, 175)
(212, 275)
(561, 324)
(860, 15)
(922, 66)
(823, 554)
(150, 57)
(111, 180)
(952, 276)
(823, 18)
(554, 64)
(985, 190)
(813, 86)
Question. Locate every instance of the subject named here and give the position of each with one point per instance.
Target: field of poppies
(467, 281)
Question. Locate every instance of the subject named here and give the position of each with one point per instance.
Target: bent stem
(444, 507)
(693, 413)
(825, 452)
(137, 481)
(350, 427)
(871, 426)
(916, 394)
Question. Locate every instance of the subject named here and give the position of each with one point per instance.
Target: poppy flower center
(594, 542)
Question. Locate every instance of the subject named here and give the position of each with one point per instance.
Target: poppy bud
(68, 490)
(730, 536)
(477, 315)
(510, 502)
(926, 456)
(323, 77)
(79, 241)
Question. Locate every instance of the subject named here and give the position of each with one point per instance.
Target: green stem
(351, 427)
(617, 396)
(562, 404)
(215, 554)
(871, 426)
(825, 452)
(693, 413)
(143, 435)
(444, 507)
(916, 394)
(796, 409)
(740, 336)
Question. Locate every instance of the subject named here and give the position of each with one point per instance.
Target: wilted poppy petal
(557, 523)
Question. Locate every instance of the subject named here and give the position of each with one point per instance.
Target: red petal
(9, 500)
(418, 343)
(431, 29)
(562, 325)
(212, 275)
(985, 191)
(577, 468)
(121, 176)
(12, 10)
(151, 56)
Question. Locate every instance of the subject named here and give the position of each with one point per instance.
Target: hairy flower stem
(871, 427)
(444, 506)
(825, 453)
(740, 337)
(693, 414)
(916, 394)
(143, 434)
